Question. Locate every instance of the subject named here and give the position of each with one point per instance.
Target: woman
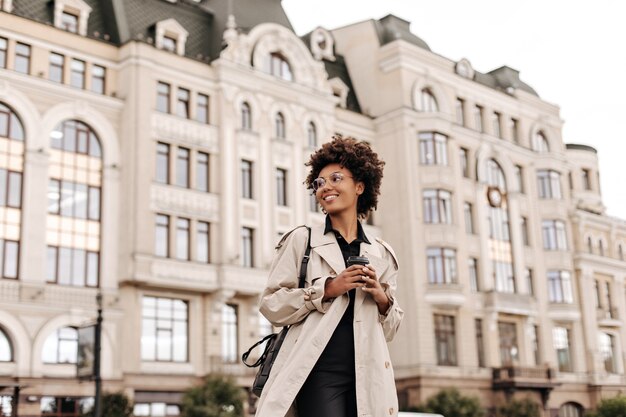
(334, 361)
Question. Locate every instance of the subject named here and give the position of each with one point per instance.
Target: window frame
(24, 58)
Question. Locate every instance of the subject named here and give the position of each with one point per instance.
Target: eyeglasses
(335, 179)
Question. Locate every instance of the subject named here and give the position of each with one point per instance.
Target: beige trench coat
(313, 322)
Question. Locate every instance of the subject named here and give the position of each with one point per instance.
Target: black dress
(330, 390)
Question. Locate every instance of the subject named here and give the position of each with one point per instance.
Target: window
(472, 265)
(514, 129)
(22, 58)
(169, 44)
(202, 108)
(311, 133)
(55, 69)
(463, 157)
(247, 248)
(524, 227)
(279, 67)
(445, 340)
(281, 187)
(561, 342)
(428, 101)
(509, 350)
(162, 235)
(503, 274)
(534, 341)
(10, 188)
(597, 293)
(469, 218)
(154, 409)
(441, 266)
(182, 103)
(74, 192)
(164, 332)
(203, 242)
(3, 52)
(570, 410)
(560, 287)
(230, 333)
(182, 167)
(586, 177)
(519, 176)
(77, 77)
(65, 406)
(182, 239)
(549, 184)
(163, 97)
(478, 118)
(540, 143)
(554, 236)
(601, 247)
(433, 148)
(496, 120)
(6, 350)
(607, 351)
(279, 126)
(480, 342)
(437, 207)
(460, 111)
(163, 163)
(246, 116)
(69, 22)
(61, 346)
(589, 245)
(202, 171)
(98, 77)
(71, 266)
(530, 286)
(246, 179)
(620, 252)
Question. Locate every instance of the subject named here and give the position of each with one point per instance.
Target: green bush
(610, 407)
(519, 408)
(114, 404)
(218, 396)
(450, 403)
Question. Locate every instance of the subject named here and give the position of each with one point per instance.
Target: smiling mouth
(330, 197)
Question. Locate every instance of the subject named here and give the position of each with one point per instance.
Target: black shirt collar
(360, 233)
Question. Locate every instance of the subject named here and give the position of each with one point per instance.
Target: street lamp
(96, 366)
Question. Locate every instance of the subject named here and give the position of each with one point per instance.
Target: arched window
(540, 143)
(11, 172)
(246, 116)
(279, 67)
(279, 126)
(571, 410)
(428, 101)
(6, 350)
(74, 205)
(499, 229)
(311, 133)
(61, 346)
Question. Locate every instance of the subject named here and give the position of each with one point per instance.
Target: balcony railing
(512, 377)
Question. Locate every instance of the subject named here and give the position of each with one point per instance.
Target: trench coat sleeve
(282, 302)
(389, 281)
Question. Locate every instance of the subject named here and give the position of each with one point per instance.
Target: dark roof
(338, 68)
(579, 147)
(391, 28)
(502, 79)
(119, 21)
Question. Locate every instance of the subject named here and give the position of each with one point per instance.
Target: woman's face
(340, 191)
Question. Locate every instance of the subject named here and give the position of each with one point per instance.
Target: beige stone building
(152, 151)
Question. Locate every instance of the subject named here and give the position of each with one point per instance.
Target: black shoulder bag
(274, 340)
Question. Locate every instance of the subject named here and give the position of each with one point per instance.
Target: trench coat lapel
(326, 246)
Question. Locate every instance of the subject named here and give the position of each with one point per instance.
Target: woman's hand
(349, 278)
(372, 287)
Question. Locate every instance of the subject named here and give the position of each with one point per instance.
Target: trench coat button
(390, 411)
(387, 365)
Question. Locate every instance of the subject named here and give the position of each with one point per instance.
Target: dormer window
(72, 16)
(322, 45)
(340, 90)
(171, 36)
(279, 67)
(169, 44)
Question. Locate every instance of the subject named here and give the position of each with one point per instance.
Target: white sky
(570, 51)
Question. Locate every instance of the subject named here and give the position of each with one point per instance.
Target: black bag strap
(301, 280)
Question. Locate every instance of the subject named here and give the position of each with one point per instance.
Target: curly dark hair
(356, 156)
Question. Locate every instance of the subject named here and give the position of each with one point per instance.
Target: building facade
(152, 151)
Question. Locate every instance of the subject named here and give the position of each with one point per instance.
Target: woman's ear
(360, 188)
